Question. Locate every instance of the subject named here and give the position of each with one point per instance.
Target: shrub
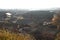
(6, 35)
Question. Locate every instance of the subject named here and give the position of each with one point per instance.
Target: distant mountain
(14, 12)
(38, 16)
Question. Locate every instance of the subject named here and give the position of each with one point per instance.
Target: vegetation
(57, 36)
(29, 26)
(6, 35)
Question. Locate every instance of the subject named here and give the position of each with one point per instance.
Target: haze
(29, 4)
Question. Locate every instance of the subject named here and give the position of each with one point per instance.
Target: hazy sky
(29, 4)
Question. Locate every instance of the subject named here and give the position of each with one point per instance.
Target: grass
(6, 35)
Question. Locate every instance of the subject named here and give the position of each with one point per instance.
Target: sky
(29, 4)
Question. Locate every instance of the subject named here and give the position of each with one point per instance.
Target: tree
(56, 20)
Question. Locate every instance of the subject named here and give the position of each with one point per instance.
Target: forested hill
(29, 16)
(39, 16)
